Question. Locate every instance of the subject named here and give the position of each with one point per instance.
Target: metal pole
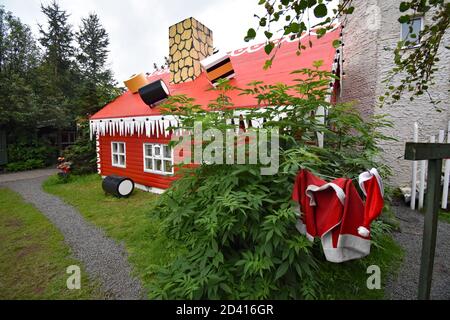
(430, 228)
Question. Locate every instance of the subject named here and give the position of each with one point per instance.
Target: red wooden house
(132, 139)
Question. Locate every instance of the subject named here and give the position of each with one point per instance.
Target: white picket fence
(418, 183)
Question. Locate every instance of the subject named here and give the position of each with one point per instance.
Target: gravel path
(102, 257)
(25, 175)
(410, 238)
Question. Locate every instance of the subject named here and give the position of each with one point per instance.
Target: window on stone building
(411, 30)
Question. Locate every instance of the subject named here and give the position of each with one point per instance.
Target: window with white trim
(411, 30)
(118, 154)
(158, 158)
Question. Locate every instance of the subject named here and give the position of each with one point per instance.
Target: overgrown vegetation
(238, 225)
(82, 154)
(50, 88)
(34, 257)
(150, 249)
(27, 155)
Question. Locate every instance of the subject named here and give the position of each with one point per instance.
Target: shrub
(25, 165)
(238, 226)
(21, 152)
(82, 154)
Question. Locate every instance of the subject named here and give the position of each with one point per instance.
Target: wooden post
(446, 175)
(414, 171)
(430, 228)
(434, 153)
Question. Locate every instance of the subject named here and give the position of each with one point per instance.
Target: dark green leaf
(320, 10)
(282, 269)
(336, 43)
(268, 35)
(251, 34)
(404, 6)
(404, 19)
(269, 47)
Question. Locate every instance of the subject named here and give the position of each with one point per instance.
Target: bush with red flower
(65, 167)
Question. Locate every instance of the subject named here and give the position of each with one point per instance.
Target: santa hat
(371, 185)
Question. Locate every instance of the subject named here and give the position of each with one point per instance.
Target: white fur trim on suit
(313, 188)
(349, 247)
(301, 227)
(367, 175)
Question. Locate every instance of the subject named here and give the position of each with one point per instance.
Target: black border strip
(221, 63)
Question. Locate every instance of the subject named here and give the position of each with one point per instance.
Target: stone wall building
(370, 36)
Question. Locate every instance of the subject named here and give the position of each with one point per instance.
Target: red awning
(248, 65)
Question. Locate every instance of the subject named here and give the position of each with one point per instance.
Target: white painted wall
(371, 35)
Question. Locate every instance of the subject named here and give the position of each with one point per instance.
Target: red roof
(248, 65)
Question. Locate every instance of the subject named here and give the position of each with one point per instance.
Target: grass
(126, 220)
(33, 256)
(444, 216)
(349, 279)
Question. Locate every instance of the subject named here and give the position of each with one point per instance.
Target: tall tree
(57, 38)
(58, 72)
(95, 88)
(19, 57)
(98, 86)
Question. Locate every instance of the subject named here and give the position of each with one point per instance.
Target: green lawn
(33, 256)
(127, 220)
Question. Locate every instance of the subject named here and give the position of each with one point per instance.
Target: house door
(3, 159)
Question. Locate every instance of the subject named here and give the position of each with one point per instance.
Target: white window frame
(422, 22)
(124, 153)
(160, 157)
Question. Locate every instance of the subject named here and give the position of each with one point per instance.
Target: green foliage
(238, 226)
(25, 165)
(19, 56)
(33, 152)
(82, 154)
(416, 64)
(53, 88)
(239, 231)
(291, 16)
(97, 86)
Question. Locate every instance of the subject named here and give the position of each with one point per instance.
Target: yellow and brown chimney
(189, 43)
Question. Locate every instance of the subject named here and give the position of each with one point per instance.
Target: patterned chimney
(189, 42)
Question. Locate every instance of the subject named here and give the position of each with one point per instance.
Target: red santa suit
(335, 212)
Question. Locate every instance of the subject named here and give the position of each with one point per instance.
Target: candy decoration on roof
(135, 82)
(154, 93)
(218, 66)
